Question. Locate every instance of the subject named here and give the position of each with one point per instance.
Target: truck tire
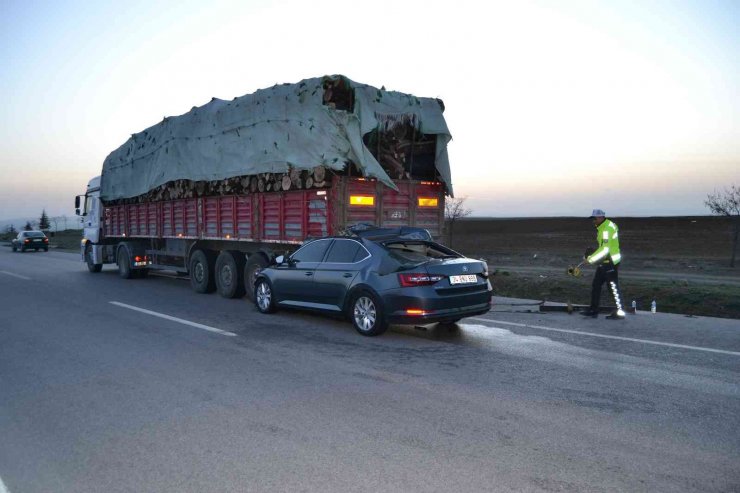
(124, 264)
(89, 261)
(229, 274)
(201, 272)
(255, 264)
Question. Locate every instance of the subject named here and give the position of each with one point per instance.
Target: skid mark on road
(173, 319)
(542, 348)
(19, 277)
(606, 336)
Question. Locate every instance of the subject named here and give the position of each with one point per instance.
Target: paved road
(102, 397)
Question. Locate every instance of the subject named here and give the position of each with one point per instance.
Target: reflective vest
(607, 236)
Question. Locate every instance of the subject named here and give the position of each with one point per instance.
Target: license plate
(36, 241)
(466, 279)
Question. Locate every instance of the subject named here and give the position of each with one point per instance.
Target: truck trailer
(220, 191)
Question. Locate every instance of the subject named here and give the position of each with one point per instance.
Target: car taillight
(46, 240)
(417, 279)
(26, 241)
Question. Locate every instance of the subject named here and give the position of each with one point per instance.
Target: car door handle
(308, 273)
(347, 274)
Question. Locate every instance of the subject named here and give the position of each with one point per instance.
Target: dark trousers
(606, 273)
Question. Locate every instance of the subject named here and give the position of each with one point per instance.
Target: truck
(218, 192)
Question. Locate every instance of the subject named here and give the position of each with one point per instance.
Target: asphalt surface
(96, 396)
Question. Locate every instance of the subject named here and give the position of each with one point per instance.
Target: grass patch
(671, 297)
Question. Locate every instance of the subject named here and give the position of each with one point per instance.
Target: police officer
(606, 258)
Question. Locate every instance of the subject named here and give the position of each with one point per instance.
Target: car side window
(345, 252)
(312, 252)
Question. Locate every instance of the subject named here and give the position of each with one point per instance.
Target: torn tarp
(272, 130)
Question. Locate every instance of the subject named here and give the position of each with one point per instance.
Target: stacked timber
(295, 179)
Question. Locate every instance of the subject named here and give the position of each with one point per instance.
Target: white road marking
(3, 488)
(19, 277)
(605, 336)
(173, 319)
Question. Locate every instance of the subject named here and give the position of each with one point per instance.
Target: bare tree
(454, 210)
(55, 221)
(727, 204)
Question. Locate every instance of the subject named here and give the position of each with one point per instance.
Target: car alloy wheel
(365, 314)
(263, 297)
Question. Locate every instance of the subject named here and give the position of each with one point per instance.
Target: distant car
(377, 277)
(27, 240)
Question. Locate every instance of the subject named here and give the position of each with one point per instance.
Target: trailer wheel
(124, 264)
(230, 274)
(255, 264)
(92, 267)
(201, 272)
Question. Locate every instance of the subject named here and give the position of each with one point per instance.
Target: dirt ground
(681, 262)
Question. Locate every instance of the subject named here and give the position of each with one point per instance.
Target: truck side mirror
(77, 204)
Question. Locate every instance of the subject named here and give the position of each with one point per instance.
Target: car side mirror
(279, 259)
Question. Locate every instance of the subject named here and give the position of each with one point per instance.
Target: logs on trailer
(318, 177)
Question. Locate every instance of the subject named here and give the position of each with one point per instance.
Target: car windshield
(417, 252)
(35, 234)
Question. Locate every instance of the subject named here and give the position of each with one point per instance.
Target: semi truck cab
(89, 208)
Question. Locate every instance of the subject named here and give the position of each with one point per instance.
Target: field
(681, 262)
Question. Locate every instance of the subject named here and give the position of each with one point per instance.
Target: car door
(333, 277)
(294, 281)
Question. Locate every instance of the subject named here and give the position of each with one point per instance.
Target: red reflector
(414, 311)
(417, 279)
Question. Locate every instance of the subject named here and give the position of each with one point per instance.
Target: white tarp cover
(268, 131)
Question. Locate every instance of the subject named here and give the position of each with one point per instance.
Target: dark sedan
(31, 240)
(377, 277)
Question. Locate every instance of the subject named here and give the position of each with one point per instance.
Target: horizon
(553, 110)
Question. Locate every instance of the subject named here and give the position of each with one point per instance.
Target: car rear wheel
(255, 264)
(201, 272)
(367, 315)
(264, 299)
(230, 274)
(91, 266)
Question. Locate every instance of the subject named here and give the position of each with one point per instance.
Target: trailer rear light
(137, 259)
(414, 311)
(361, 200)
(411, 280)
(428, 202)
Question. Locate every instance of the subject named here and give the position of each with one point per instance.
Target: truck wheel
(367, 314)
(201, 272)
(124, 264)
(255, 264)
(264, 297)
(230, 274)
(89, 261)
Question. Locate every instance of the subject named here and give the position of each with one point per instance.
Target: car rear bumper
(423, 306)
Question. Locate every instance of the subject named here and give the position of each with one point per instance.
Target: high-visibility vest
(607, 236)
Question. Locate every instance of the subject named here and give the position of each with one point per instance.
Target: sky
(555, 107)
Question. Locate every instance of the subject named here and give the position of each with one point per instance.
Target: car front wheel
(264, 299)
(367, 315)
